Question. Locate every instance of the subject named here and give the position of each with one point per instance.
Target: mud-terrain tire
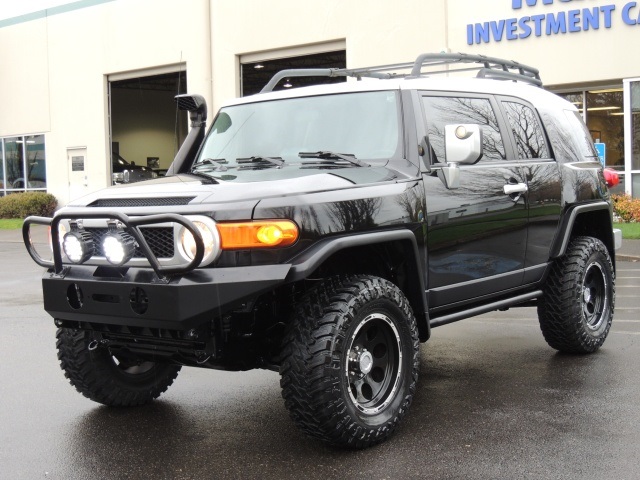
(350, 361)
(576, 311)
(107, 379)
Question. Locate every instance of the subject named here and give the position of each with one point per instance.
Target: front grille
(160, 240)
(141, 202)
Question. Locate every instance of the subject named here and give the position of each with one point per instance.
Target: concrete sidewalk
(629, 252)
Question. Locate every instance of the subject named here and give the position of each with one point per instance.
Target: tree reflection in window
(526, 130)
(443, 111)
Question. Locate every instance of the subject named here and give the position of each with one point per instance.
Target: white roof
(539, 97)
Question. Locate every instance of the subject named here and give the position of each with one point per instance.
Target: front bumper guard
(137, 299)
(132, 225)
(174, 297)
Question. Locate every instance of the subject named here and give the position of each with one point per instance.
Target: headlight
(117, 177)
(210, 238)
(118, 247)
(78, 245)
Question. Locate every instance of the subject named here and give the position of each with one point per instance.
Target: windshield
(297, 136)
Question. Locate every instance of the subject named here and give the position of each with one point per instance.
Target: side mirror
(463, 145)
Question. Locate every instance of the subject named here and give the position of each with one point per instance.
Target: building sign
(553, 23)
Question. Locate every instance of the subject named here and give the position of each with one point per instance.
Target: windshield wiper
(203, 175)
(210, 165)
(334, 158)
(259, 161)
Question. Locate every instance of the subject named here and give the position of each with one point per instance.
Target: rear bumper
(139, 299)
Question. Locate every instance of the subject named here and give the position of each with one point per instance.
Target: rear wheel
(107, 378)
(350, 361)
(577, 308)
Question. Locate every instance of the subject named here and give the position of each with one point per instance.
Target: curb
(627, 258)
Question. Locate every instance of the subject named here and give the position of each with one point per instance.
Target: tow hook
(94, 344)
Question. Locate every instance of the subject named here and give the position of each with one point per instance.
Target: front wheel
(107, 378)
(579, 296)
(350, 361)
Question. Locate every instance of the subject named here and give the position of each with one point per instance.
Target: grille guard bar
(131, 224)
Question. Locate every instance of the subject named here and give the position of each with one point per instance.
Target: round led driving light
(118, 247)
(210, 238)
(78, 246)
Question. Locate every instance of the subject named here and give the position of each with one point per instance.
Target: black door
(477, 233)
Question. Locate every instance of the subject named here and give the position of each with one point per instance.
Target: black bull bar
(169, 297)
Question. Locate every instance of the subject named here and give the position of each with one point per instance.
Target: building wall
(55, 69)
(374, 32)
(596, 55)
(61, 64)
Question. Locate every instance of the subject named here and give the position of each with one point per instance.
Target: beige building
(89, 84)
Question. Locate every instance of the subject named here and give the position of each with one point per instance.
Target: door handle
(515, 188)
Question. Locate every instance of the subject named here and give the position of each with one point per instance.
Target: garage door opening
(255, 75)
(146, 127)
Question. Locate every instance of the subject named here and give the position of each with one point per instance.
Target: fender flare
(305, 263)
(568, 221)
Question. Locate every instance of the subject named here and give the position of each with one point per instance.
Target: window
(22, 164)
(526, 130)
(257, 68)
(581, 134)
(443, 111)
(363, 124)
(604, 118)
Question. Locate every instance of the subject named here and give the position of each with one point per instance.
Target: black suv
(323, 231)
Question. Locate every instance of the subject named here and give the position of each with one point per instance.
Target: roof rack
(487, 67)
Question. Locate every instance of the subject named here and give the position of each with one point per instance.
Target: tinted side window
(581, 134)
(443, 111)
(527, 131)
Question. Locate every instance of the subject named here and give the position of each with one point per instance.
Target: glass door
(632, 136)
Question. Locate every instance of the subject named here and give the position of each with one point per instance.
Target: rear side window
(443, 111)
(528, 133)
(580, 134)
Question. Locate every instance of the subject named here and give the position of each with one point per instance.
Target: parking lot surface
(494, 401)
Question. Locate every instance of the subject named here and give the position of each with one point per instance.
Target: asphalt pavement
(493, 402)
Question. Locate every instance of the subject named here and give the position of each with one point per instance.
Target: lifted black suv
(322, 232)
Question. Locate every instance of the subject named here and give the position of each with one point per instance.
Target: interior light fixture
(287, 84)
(599, 109)
(606, 90)
(615, 114)
(258, 66)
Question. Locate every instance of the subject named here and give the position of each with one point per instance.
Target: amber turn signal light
(257, 234)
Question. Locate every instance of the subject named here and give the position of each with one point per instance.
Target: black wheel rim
(595, 296)
(373, 364)
(131, 367)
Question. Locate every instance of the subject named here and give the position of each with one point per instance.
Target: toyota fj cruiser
(322, 232)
